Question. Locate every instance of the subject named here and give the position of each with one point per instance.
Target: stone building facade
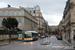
(53, 29)
(35, 11)
(69, 21)
(26, 21)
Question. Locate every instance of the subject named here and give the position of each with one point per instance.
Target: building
(35, 11)
(46, 27)
(26, 20)
(69, 21)
(53, 29)
(60, 28)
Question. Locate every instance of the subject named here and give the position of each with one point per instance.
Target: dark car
(59, 37)
(47, 35)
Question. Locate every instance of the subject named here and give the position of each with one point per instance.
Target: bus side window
(24, 35)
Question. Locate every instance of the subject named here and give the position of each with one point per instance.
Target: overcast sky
(52, 10)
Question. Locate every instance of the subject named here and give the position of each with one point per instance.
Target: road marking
(60, 44)
(47, 45)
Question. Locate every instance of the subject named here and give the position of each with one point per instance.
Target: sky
(52, 10)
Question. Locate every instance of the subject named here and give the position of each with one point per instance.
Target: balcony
(68, 7)
(40, 28)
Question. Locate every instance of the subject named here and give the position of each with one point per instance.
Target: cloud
(53, 19)
(52, 10)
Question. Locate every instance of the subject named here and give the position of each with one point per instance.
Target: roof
(9, 8)
(32, 31)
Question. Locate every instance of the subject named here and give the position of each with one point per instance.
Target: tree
(10, 23)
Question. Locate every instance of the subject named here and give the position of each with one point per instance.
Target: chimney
(9, 6)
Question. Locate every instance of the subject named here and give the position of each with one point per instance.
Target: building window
(11, 13)
(19, 20)
(34, 11)
(1, 19)
(28, 22)
(1, 13)
(5, 12)
(16, 13)
(20, 13)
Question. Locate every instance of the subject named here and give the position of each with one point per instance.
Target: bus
(30, 35)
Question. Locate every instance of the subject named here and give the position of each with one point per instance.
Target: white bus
(30, 35)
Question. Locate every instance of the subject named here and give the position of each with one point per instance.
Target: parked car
(59, 37)
(47, 35)
(42, 36)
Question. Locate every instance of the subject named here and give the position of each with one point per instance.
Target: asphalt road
(36, 45)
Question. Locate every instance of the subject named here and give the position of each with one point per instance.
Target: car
(59, 37)
(47, 35)
(42, 36)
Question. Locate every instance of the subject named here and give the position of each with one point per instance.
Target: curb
(3, 45)
(10, 43)
(67, 43)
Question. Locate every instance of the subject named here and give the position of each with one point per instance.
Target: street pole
(9, 36)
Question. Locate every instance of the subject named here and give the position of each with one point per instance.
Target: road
(36, 45)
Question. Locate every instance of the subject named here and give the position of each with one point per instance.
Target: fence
(6, 37)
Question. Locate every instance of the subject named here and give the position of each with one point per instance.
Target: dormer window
(34, 11)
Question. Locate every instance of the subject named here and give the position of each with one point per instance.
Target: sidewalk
(67, 42)
(3, 43)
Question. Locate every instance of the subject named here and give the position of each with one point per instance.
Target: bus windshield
(28, 36)
(34, 34)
